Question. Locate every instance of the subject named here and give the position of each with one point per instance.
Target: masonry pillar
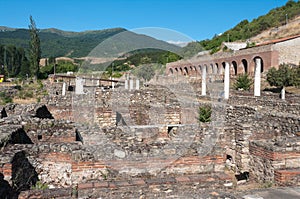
(257, 77)
(126, 84)
(203, 80)
(226, 80)
(282, 93)
(131, 84)
(137, 84)
(64, 89)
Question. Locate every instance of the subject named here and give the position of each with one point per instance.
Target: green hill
(245, 29)
(56, 43)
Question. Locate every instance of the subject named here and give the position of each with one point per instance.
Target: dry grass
(293, 90)
(292, 28)
(24, 101)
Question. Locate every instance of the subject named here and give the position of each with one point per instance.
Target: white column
(126, 84)
(79, 85)
(283, 93)
(64, 89)
(257, 77)
(203, 80)
(226, 80)
(131, 84)
(137, 84)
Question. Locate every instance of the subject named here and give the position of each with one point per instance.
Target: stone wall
(276, 160)
(288, 51)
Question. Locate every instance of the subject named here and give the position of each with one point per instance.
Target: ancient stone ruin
(147, 143)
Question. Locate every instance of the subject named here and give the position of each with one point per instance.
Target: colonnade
(225, 69)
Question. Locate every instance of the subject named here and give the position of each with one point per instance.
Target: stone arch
(215, 68)
(209, 69)
(234, 67)
(186, 70)
(195, 69)
(176, 70)
(219, 68)
(245, 65)
(204, 67)
(222, 68)
(181, 71)
(262, 63)
(200, 69)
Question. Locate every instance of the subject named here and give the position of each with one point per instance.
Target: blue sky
(197, 20)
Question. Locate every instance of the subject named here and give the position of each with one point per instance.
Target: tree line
(17, 62)
(14, 62)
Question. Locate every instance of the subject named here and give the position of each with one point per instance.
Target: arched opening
(181, 71)
(204, 67)
(217, 68)
(210, 69)
(261, 62)
(243, 176)
(171, 71)
(223, 67)
(245, 65)
(186, 71)
(234, 67)
(229, 157)
(214, 69)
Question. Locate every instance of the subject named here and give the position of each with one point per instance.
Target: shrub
(243, 82)
(39, 186)
(5, 98)
(282, 77)
(205, 113)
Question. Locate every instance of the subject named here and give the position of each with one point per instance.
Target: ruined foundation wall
(276, 161)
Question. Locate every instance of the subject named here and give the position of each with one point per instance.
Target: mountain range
(59, 43)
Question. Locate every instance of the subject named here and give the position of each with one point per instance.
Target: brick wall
(272, 162)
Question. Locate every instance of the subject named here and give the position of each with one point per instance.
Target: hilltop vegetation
(57, 43)
(245, 29)
(14, 45)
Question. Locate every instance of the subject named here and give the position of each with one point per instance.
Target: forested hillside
(245, 29)
(57, 43)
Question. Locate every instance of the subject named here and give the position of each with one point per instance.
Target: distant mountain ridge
(59, 43)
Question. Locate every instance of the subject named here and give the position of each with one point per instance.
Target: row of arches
(242, 66)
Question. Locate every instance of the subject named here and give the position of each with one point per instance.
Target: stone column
(203, 80)
(126, 84)
(226, 80)
(257, 77)
(137, 84)
(131, 84)
(282, 93)
(64, 89)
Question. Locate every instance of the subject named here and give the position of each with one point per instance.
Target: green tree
(296, 76)
(282, 77)
(243, 82)
(35, 49)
